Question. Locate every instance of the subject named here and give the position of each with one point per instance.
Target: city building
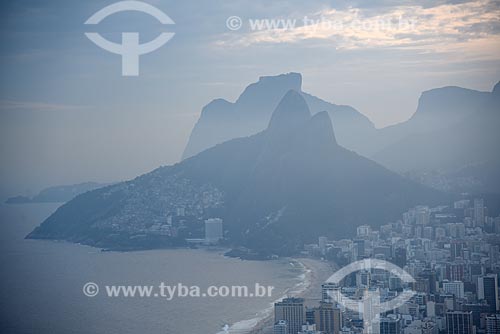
(487, 289)
(455, 288)
(423, 216)
(390, 325)
(359, 249)
(456, 249)
(292, 311)
(493, 324)
(364, 231)
(328, 318)
(455, 271)
(479, 212)
(458, 322)
(400, 257)
(280, 327)
(213, 230)
(322, 243)
(309, 329)
(450, 251)
(431, 276)
(330, 292)
(323, 317)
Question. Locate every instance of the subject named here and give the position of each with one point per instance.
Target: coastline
(314, 273)
(305, 274)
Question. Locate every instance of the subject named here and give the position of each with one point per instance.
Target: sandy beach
(315, 273)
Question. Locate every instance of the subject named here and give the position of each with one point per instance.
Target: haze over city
(67, 116)
(250, 167)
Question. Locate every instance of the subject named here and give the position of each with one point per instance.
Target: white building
(213, 230)
(364, 231)
(455, 288)
(423, 216)
(322, 243)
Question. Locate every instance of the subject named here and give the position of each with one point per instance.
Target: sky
(67, 115)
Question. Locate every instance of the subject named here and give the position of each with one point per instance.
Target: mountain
(462, 147)
(275, 190)
(437, 109)
(222, 120)
(57, 194)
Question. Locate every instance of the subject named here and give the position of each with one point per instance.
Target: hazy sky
(67, 115)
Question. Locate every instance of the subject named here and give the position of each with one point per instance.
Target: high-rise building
(181, 211)
(280, 327)
(479, 212)
(328, 318)
(291, 310)
(363, 231)
(458, 322)
(395, 283)
(213, 230)
(440, 233)
(430, 309)
(385, 251)
(322, 242)
(455, 271)
(460, 230)
(431, 276)
(422, 285)
(477, 310)
(390, 325)
(400, 257)
(423, 216)
(323, 317)
(310, 315)
(337, 320)
(496, 225)
(494, 253)
(428, 232)
(363, 278)
(309, 329)
(455, 288)
(462, 204)
(456, 249)
(418, 231)
(493, 324)
(359, 248)
(330, 293)
(487, 289)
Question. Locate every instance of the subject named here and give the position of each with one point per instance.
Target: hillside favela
(250, 167)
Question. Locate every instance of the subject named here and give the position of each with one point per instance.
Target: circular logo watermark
(90, 289)
(130, 49)
(370, 305)
(234, 23)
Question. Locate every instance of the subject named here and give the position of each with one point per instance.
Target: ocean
(41, 285)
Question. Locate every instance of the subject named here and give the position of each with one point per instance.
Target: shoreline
(308, 286)
(314, 273)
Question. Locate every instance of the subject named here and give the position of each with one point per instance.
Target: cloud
(459, 27)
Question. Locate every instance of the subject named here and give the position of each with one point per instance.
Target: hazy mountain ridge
(221, 120)
(57, 194)
(447, 122)
(275, 190)
(454, 148)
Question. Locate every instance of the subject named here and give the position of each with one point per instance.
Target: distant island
(57, 194)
